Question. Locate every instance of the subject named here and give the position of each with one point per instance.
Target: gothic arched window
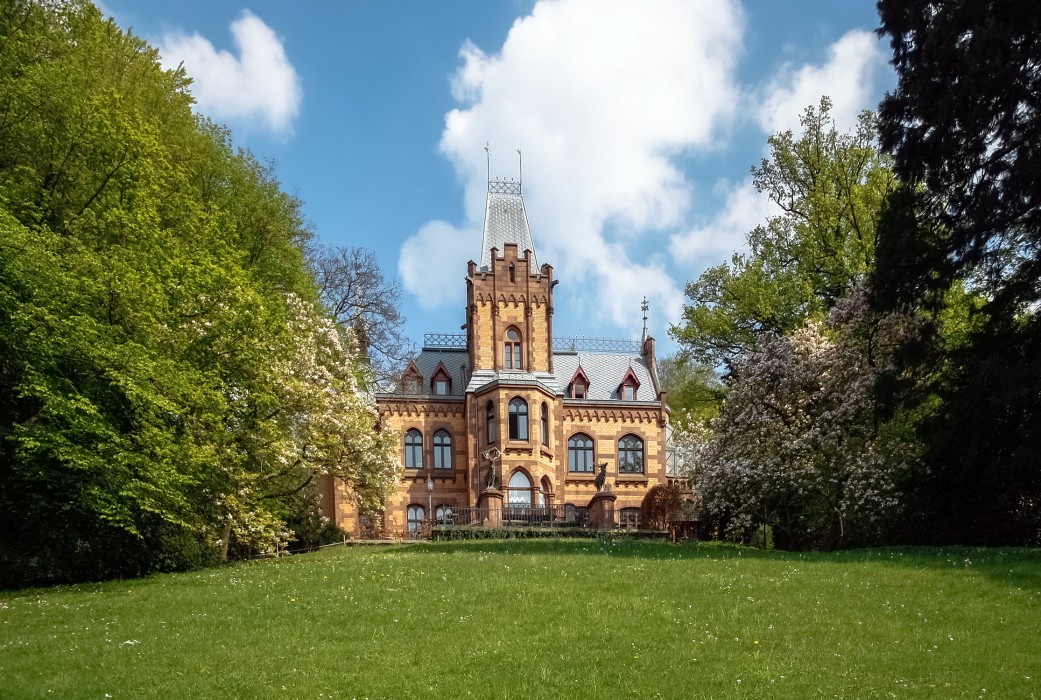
(413, 449)
(442, 450)
(580, 453)
(512, 349)
(518, 419)
(630, 455)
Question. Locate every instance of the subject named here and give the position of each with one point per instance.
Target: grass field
(542, 619)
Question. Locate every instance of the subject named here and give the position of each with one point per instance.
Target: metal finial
(645, 306)
(488, 160)
(520, 160)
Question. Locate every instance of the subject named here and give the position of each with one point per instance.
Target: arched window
(490, 422)
(580, 453)
(545, 424)
(414, 520)
(512, 349)
(518, 419)
(443, 514)
(513, 273)
(413, 449)
(630, 455)
(442, 450)
(545, 489)
(520, 489)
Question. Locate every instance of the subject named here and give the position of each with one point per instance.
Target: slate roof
(506, 221)
(456, 363)
(605, 372)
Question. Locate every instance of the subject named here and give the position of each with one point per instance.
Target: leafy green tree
(829, 188)
(165, 375)
(693, 392)
(964, 128)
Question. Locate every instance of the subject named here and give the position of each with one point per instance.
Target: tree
(693, 392)
(829, 188)
(798, 446)
(164, 369)
(353, 289)
(964, 129)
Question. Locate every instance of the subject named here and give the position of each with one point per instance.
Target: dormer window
(579, 387)
(411, 380)
(629, 385)
(512, 349)
(441, 383)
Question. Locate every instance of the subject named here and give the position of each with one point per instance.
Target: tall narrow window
(580, 454)
(490, 422)
(442, 450)
(415, 517)
(413, 449)
(518, 419)
(545, 424)
(512, 349)
(630, 455)
(513, 274)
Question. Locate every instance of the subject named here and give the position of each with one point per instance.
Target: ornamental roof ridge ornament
(505, 217)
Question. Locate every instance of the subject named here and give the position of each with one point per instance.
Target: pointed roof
(506, 221)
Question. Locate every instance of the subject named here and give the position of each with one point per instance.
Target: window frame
(489, 424)
(517, 422)
(415, 517)
(442, 450)
(512, 349)
(631, 458)
(589, 453)
(545, 424)
(413, 449)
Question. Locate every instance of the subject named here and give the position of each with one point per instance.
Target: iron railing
(498, 186)
(577, 344)
(518, 515)
(452, 341)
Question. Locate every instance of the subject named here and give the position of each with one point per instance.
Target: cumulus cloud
(429, 262)
(848, 77)
(744, 208)
(257, 87)
(601, 96)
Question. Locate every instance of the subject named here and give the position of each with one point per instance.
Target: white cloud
(258, 87)
(429, 263)
(744, 208)
(848, 77)
(601, 96)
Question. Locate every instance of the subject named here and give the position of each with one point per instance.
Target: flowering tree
(798, 446)
(300, 415)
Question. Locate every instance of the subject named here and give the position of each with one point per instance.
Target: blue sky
(638, 121)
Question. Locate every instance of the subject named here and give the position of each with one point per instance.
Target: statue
(491, 476)
(601, 478)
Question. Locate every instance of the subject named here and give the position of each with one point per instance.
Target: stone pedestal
(601, 509)
(490, 503)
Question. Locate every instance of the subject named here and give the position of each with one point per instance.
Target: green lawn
(542, 619)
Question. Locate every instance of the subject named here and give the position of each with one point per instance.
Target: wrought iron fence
(498, 186)
(576, 344)
(517, 515)
(452, 341)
